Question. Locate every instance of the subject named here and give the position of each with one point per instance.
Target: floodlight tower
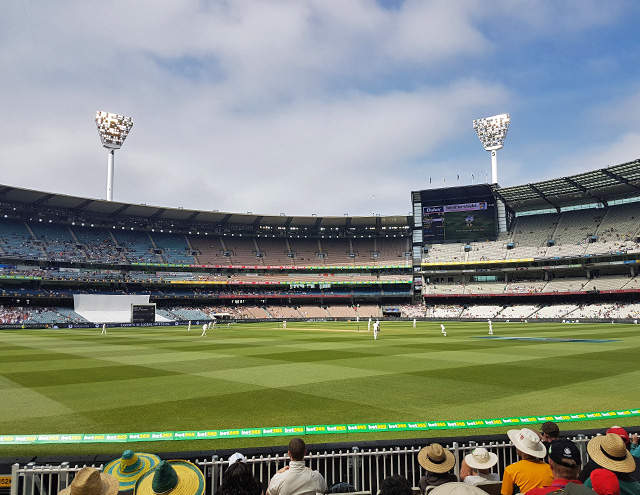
(492, 131)
(113, 130)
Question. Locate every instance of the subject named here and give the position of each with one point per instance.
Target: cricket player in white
(104, 329)
(376, 327)
(443, 330)
(204, 330)
(414, 323)
(369, 325)
(189, 327)
(490, 328)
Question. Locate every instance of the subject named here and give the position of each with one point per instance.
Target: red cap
(604, 482)
(618, 430)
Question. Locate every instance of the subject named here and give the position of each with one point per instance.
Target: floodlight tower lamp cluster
(113, 130)
(492, 132)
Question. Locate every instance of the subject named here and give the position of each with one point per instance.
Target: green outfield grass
(256, 375)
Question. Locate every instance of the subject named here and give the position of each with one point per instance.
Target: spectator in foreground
(591, 465)
(609, 452)
(175, 477)
(549, 432)
(438, 462)
(238, 478)
(457, 488)
(605, 482)
(476, 467)
(296, 478)
(90, 481)
(565, 461)
(395, 485)
(530, 471)
(131, 466)
(635, 448)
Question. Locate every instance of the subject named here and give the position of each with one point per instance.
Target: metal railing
(365, 469)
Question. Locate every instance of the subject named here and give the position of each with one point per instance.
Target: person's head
(604, 482)
(297, 449)
(618, 430)
(481, 460)
(565, 461)
(527, 443)
(239, 480)
(395, 485)
(436, 459)
(609, 451)
(549, 431)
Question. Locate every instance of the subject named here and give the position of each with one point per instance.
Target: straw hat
(527, 441)
(171, 477)
(457, 488)
(130, 467)
(436, 459)
(610, 452)
(90, 481)
(481, 458)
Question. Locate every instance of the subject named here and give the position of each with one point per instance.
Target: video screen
(458, 214)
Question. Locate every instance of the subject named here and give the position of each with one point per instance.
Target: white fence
(363, 468)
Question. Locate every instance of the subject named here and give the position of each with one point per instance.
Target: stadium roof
(76, 208)
(599, 186)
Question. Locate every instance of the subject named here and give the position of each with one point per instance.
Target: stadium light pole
(113, 130)
(492, 132)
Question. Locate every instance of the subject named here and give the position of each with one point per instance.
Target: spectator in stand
(238, 478)
(635, 448)
(605, 482)
(529, 472)
(438, 463)
(395, 485)
(591, 465)
(296, 478)
(456, 488)
(476, 466)
(173, 477)
(549, 432)
(90, 481)
(609, 452)
(564, 458)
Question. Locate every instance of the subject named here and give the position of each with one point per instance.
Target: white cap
(237, 457)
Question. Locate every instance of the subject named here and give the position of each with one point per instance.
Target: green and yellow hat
(171, 478)
(128, 468)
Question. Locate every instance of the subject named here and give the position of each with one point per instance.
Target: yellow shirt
(524, 475)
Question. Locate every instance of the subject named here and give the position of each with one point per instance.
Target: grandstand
(570, 248)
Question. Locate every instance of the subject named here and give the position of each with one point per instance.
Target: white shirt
(297, 480)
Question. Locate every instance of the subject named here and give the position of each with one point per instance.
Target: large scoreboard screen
(457, 214)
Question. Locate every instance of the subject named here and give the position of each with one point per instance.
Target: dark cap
(561, 450)
(550, 428)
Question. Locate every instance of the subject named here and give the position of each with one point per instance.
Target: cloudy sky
(312, 106)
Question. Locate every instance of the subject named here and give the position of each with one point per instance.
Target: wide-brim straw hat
(527, 441)
(171, 477)
(457, 488)
(610, 452)
(481, 458)
(436, 459)
(128, 468)
(90, 481)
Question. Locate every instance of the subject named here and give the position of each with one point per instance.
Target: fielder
(204, 330)
(414, 323)
(490, 328)
(104, 329)
(376, 329)
(369, 325)
(189, 327)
